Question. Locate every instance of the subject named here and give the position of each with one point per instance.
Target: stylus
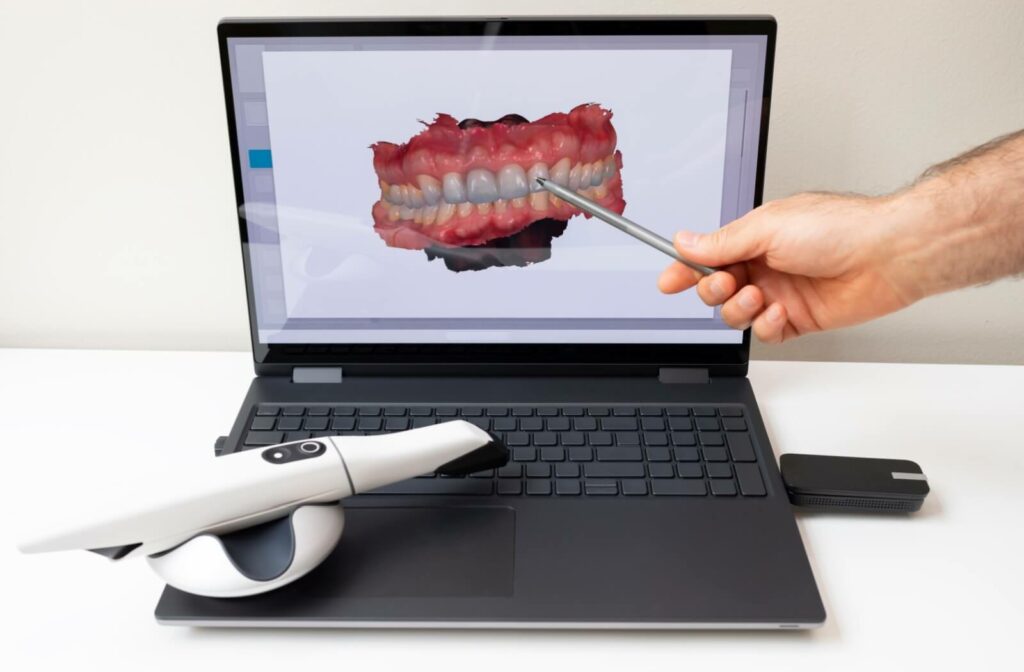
(622, 224)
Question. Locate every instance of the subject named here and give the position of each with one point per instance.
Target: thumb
(739, 241)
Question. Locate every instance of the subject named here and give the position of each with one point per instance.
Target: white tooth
(537, 170)
(405, 212)
(429, 214)
(481, 187)
(609, 166)
(600, 191)
(500, 205)
(430, 187)
(418, 215)
(445, 211)
(512, 181)
(404, 194)
(415, 197)
(560, 172)
(518, 202)
(393, 213)
(465, 209)
(597, 173)
(483, 208)
(539, 200)
(585, 172)
(574, 177)
(395, 195)
(453, 188)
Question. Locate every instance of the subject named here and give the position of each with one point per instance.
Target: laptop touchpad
(444, 551)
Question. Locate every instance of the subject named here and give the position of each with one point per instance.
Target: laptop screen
(389, 193)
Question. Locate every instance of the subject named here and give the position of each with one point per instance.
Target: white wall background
(117, 222)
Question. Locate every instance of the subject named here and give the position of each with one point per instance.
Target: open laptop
(401, 271)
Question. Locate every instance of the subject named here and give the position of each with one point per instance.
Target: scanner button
(311, 447)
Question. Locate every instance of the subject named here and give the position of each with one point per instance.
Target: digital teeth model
(256, 520)
(473, 184)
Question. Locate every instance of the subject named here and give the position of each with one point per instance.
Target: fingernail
(747, 301)
(687, 239)
(774, 313)
(717, 288)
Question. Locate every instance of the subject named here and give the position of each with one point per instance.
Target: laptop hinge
(316, 374)
(672, 375)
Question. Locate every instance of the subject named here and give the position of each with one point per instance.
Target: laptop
(402, 270)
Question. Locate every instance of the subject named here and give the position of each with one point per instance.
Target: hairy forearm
(962, 223)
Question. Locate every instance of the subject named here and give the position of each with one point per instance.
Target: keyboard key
(618, 424)
(396, 424)
(656, 438)
(421, 422)
(634, 487)
(552, 454)
(572, 411)
(613, 470)
(496, 412)
(627, 438)
(661, 470)
(369, 424)
(740, 448)
(557, 424)
(545, 439)
(369, 411)
(316, 424)
(704, 411)
(263, 438)
(679, 488)
(722, 488)
(343, 424)
(599, 438)
(522, 411)
(619, 454)
(289, 424)
(584, 424)
(486, 473)
(268, 410)
(538, 487)
(295, 436)
(734, 424)
(343, 410)
(538, 470)
(517, 439)
(547, 411)
(749, 477)
(650, 411)
(684, 454)
(719, 470)
(482, 423)
(571, 438)
(598, 411)
(447, 412)
(420, 412)
(711, 439)
(438, 486)
(690, 470)
(472, 411)
(531, 424)
(656, 454)
(582, 454)
(730, 411)
(601, 487)
(262, 424)
(683, 438)
(680, 424)
(293, 411)
(652, 424)
(677, 411)
(524, 454)
(504, 424)
(623, 410)
(510, 487)
(715, 454)
(394, 411)
(707, 424)
(567, 488)
(567, 470)
(318, 411)
(510, 470)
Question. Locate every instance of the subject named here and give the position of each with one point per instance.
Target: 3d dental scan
(467, 191)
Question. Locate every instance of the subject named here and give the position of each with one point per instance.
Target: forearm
(962, 224)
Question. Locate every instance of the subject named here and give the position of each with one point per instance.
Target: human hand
(799, 265)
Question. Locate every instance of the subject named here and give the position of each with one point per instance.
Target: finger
(716, 288)
(676, 278)
(769, 325)
(743, 239)
(739, 311)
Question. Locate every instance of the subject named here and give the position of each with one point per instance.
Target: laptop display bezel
(721, 359)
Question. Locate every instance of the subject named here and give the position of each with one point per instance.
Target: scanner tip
(541, 181)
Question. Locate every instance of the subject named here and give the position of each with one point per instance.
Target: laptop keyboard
(557, 451)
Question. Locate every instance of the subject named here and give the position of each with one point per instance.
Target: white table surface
(944, 587)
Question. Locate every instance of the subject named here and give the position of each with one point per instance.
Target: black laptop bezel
(719, 359)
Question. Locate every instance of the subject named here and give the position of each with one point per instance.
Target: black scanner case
(826, 482)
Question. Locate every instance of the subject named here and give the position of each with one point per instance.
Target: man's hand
(820, 261)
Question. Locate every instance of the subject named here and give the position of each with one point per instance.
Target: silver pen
(622, 224)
